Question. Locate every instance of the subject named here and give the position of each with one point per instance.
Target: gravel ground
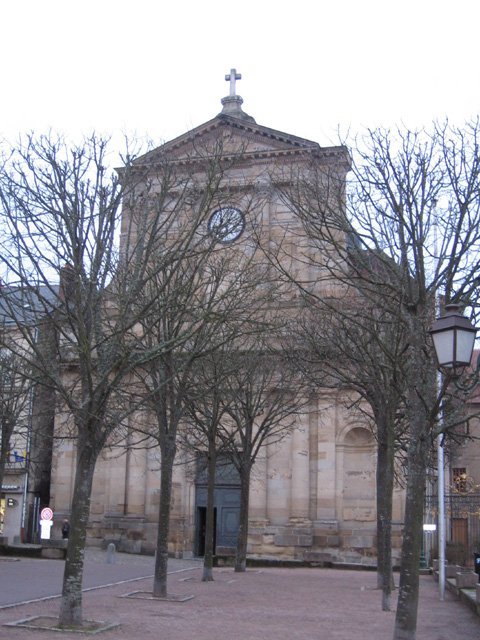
(260, 604)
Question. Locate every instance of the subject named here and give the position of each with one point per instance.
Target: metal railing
(462, 514)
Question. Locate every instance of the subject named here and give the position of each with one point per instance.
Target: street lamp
(453, 338)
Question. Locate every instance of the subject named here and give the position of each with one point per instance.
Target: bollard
(111, 553)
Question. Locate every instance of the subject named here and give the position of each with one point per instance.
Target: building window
(459, 478)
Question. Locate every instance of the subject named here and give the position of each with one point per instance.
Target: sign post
(46, 523)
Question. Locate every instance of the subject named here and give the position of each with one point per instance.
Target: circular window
(227, 224)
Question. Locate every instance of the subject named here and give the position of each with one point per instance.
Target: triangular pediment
(230, 135)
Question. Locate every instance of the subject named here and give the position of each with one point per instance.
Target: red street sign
(46, 514)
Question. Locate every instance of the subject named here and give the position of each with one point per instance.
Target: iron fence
(462, 514)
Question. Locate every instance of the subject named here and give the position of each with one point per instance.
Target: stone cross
(232, 77)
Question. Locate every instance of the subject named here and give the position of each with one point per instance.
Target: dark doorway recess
(201, 520)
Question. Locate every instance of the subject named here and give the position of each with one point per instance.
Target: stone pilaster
(300, 470)
(258, 488)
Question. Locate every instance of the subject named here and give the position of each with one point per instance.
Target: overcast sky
(157, 68)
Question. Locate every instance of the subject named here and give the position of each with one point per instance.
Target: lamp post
(453, 338)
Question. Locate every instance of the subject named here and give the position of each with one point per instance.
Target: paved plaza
(261, 604)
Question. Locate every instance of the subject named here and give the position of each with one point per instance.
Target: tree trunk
(207, 575)
(406, 617)
(3, 462)
(241, 556)
(71, 602)
(420, 394)
(161, 560)
(385, 476)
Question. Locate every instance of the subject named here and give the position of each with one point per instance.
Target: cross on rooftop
(232, 77)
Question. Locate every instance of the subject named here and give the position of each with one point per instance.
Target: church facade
(312, 496)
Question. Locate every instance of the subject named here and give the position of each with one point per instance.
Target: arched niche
(359, 482)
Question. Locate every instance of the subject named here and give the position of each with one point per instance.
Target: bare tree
(404, 187)
(208, 301)
(354, 345)
(206, 411)
(62, 209)
(265, 397)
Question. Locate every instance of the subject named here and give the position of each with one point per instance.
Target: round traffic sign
(46, 514)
